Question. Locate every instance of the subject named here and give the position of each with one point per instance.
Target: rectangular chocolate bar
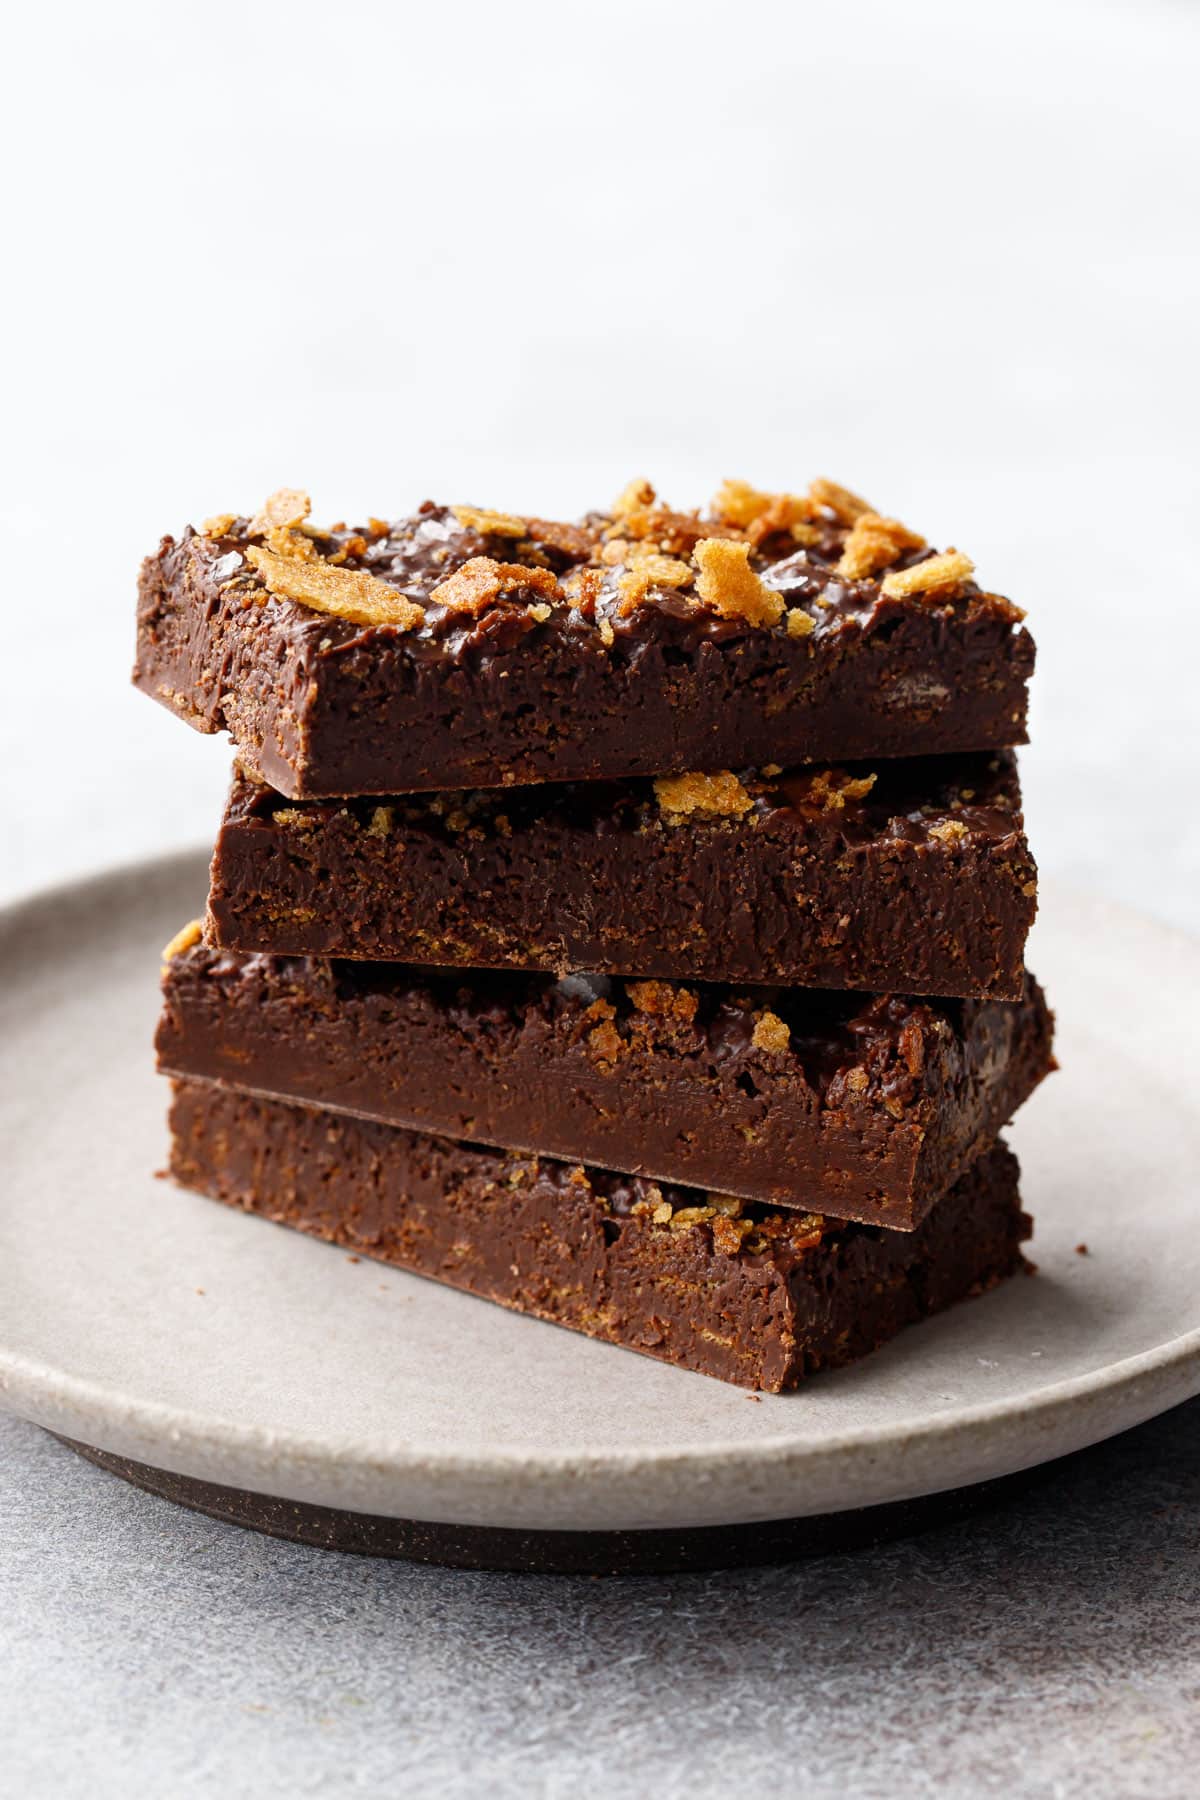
(908, 877)
(729, 1289)
(467, 648)
(868, 1109)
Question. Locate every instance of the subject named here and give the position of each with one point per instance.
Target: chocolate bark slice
(909, 876)
(865, 1108)
(460, 648)
(737, 1291)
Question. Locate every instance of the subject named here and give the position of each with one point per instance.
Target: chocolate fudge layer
(725, 1288)
(868, 1109)
(466, 648)
(910, 877)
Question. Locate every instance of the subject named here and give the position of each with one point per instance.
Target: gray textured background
(1049, 1647)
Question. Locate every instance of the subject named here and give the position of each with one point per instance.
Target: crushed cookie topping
(636, 496)
(662, 1000)
(873, 543)
(345, 593)
(673, 533)
(845, 506)
(283, 510)
(218, 526)
(647, 569)
(949, 831)
(574, 541)
(830, 789)
(681, 795)
(482, 580)
(761, 515)
(582, 588)
(737, 503)
(183, 940)
(488, 523)
(770, 1033)
(729, 585)
(604, 1040)
(799, 623)
(931, 576)
(282, 540)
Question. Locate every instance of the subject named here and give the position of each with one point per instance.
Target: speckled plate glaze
(159, 1327)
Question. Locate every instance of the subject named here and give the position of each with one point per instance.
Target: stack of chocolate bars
(622, 920)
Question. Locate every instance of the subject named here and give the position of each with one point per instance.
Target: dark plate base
(562, 1552)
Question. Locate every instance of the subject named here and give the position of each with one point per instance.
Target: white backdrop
(516, 254)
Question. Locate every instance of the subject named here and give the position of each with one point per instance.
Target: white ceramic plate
(157, 1325)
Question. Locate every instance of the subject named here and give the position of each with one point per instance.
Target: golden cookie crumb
(382, 819)
(604, 1040)
(284, 508)
(636, 496)
(737, 503)
(845, 506)
(949, 831)
(680, 795)
(687, 1216)
(183, 940)
(649, 569)
(487, 523)
(831, 789)
(672, 533)
(935, 573)
(728, 1233)
(282, 540)
(799, 623)
(770, 1033)
(481, 580)
(607, 634)
(873, 543)
(345, 593)
(762, 514)
(541, 612)
(218, 525)
(662, 1213)
(729, 585)
(662, 1000)
(582, 588)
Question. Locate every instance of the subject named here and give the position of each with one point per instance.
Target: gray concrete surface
(1048, 1648)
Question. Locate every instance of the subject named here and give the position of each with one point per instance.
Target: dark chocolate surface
(522, 691)
(863, 1108)
(752, 1296)
(923, 884)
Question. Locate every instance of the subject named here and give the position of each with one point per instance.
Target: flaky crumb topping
(646, 569)
(285, 508)
(636, 496)
(482, 580)
(949, 831)
(663, 1000)
(873, 543)
(729, 585)
(845, 506)
(681, 795)
(935, 575)
(770, 1033)
(183, 940)
(831, 788)
(490, 524)
(346, 593)
(607, 566)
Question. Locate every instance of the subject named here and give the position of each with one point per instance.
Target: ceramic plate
(155, 1324)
